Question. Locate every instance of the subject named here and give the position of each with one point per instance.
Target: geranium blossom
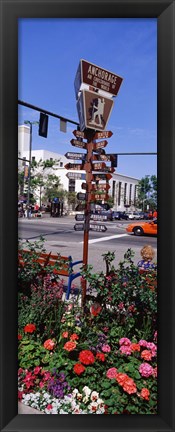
(124, 341)
(19, 337)
(146, 355)
(146, 370)
(126, 382)
(106, 348)
(121, 378)
(86, 357)
(29, 328)
(100, 356)
(111, 373)
(69, 346)
(143, 343)
(135, 347)
(49, 344)
(74, 336)
(125, 349)
(129, 386)
(145, 394)
(65, 334)
(79, 368)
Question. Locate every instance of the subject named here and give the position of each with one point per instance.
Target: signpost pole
(90, 135)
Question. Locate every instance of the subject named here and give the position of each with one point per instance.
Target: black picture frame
(164, 11)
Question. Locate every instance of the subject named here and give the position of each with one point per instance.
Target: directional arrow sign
(97, 217)
(74, 166)
(100, 144)
(81, 196)
(79, 217)
(101, 176)
(77, 143)
(79, 134)
(103, 134)
(71, 155)
(79, 227)
(102, 157)
(76, 176)
(98, 166)
(98, 197)
(97, 227)
(100, 187)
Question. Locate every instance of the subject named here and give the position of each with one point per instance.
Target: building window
(130, 194)
(125, 193)
(61, 164)
(71, 185)
(119, 192)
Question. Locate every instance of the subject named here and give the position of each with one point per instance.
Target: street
(60, 237)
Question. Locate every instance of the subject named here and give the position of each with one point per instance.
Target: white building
(123, 188)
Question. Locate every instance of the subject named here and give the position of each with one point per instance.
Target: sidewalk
(24, 409)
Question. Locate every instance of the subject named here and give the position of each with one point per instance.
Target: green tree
(147, 192)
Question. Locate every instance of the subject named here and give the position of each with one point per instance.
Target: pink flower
(121, 305)
(124, 341)
(124, 349)
(143, 343)
(106, 348)
(155, 372)
(37, 370)
(146, 370)
(111, 373)
(49, 406)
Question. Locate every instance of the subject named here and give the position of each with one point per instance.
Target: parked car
(133, 215)
(141, 228)
(119, 215)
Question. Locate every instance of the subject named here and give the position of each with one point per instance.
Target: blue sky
(49, 51)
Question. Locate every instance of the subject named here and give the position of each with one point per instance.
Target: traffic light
(43, 125)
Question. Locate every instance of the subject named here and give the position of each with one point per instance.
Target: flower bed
(98, 360)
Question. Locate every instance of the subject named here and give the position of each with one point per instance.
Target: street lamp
(30, 158)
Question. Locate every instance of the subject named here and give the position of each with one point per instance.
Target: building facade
(123, 189)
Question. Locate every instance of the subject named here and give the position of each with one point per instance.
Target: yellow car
(141, 228)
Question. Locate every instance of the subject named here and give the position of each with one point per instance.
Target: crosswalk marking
(106, 238)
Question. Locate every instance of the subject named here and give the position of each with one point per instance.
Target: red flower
(65, 334)
(145, 393)
(49, 344)
(95, 309)
(37, 370)
(135, 347)
(69, 346)
(86, 357)
(19, 337)
(74, 336)
(100, 356)
(29, 328)
(79, 368)
(49, 406)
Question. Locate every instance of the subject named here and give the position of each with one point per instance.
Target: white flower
(93, 406)
(74, 393)
(86, 390)
(94, 396)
